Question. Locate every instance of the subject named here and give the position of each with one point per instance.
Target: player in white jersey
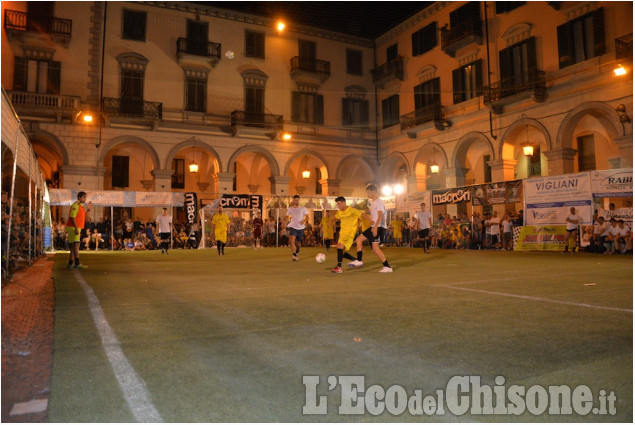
(298, 217)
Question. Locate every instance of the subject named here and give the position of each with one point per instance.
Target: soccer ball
(320, 258)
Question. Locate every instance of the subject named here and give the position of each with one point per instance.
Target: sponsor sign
(624, 214)
(106, 198)
(191, 207)
(497, 193)
(541, 238)
(152, 199)
(117, 198)
(612, 183)
(411, 202)
(549, 199)
(249, 202)
(451, 196)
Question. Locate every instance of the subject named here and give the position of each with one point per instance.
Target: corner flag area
(252, 336)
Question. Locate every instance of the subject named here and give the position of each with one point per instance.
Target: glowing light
(386, 190)
(193, 167)
(528, 150)
(306, 174)
(280, 26)
(286, 136)
(398, 189)
(434, 168)
(87, 118)
(620, 70)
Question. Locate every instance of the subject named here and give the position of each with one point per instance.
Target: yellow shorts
(72, 237)
(346, 240)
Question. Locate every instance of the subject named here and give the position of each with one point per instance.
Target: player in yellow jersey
(221, 229)
(349, 219)
(328, 229)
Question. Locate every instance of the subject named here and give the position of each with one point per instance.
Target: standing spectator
(494, 229)
(128, 228)
(573, 221)
(221, 229)
(257, 225)
(600, 232)
(74, 226)
(328, 229)
(506, 224)
(164, 225)
(397, 228)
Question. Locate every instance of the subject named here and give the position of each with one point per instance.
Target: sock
(340, 256)
(70, 262)
(218, 246)
(385, 263)
(348, 256)
(359, 255)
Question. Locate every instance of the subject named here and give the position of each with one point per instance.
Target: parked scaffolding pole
(30, 215)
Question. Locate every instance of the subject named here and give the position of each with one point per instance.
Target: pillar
(224, 182)
(625, 144)
(503, 169)
(560, 161)
(330, 187)
(280, 185)
(416, 184)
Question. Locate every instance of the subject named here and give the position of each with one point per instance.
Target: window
(307, 108)
(195, 94)
(40, 16)
(178, 174)
(255, 106)
(581, 39)
(518, 62)
(487, 170)
(470, 12)
(392, 53)
(533, 163)
(318, 185)
(197, 37)
(132, 92)
(36, 76)
(424, 40)
(508, 6)
(134, 25)
(467, 81)
(428, 93)
(307, 49)
(255, 44)
(120, 170)
(586, 153)
(353, 62)
(390, 110)
(355, 112)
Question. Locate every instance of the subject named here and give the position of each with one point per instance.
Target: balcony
(309, 70)
(132, 110)
(194, 51)
(624, 47)
(390, 71)
(413, 121)
(461, 35)
(531, 84)
(45, 106)
(255, 124)
(18, 24)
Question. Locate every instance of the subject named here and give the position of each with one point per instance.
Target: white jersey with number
(297, 215)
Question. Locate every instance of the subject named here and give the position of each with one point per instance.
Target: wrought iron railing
(586, 164)
(624, 47)
(132, 108)
(22, 21)
(461, 31)
(44, 101)
(534, 80)
(298, 63)
(434, 112)
(393, 67)
(256, 119)
(198, 47)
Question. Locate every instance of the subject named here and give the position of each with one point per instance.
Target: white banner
(411, 202)
(151, 199)
(61, 197)
(612, 183)
(105, 198)
(549, 199)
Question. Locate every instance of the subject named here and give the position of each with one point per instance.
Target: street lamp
(193, 164)
(528, 149)
(619, 70)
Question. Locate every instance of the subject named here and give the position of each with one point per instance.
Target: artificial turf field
(229, 339)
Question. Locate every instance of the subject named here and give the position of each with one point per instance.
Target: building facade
(461, 85)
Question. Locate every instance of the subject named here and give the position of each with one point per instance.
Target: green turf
(228, 339)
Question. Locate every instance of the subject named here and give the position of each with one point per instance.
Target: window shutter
(431, 36)
(250, 44)
(478, 70)
(505, 65)
(565, 50)
(419, 102)
(436, 91)
(531, 56)
(416, 39)
(457, 86)
(295, 106)
(364, 114)
(598, 32)
(54, 77)
(319, 109)
(19, 74)
(345, 115)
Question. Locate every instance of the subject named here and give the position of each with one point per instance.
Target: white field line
(134, 388)
(455, 285)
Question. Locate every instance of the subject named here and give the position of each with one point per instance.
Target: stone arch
(50, 141)
(506, 149)
(603, 112)
(193, 141)
(430, 153)
(463, 145)
(387, 169)
(130, 139)
(468, 161)
(340, 167)
(273, 164)
(353, 173)
(326, 172)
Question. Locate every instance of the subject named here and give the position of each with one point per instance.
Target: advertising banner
(451, 196)
(152, 199)
(549, 199)
(61, 197)
(498, 193)
(191, 207)
(241, 201)
(541, 238)
(118, 198)
(411, 202)
(105, 198)
(624, 214)
(612, 183)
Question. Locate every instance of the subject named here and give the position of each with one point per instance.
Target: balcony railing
(44, 101)
(434, 112)
(256, 119)
(132, 108)
(317, 66)
(461, 35)
(391, 70)
(534, 81)
(22, 21)
(192, 46)
(624, 47)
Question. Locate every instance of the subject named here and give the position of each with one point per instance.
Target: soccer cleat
(80, 266)
(337, 269)
(386, 270)
(70, 266)
(356, 263)
(295, 258)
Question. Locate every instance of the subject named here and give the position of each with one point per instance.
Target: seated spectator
(182, 238)
(129, 245)
(138, 245)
